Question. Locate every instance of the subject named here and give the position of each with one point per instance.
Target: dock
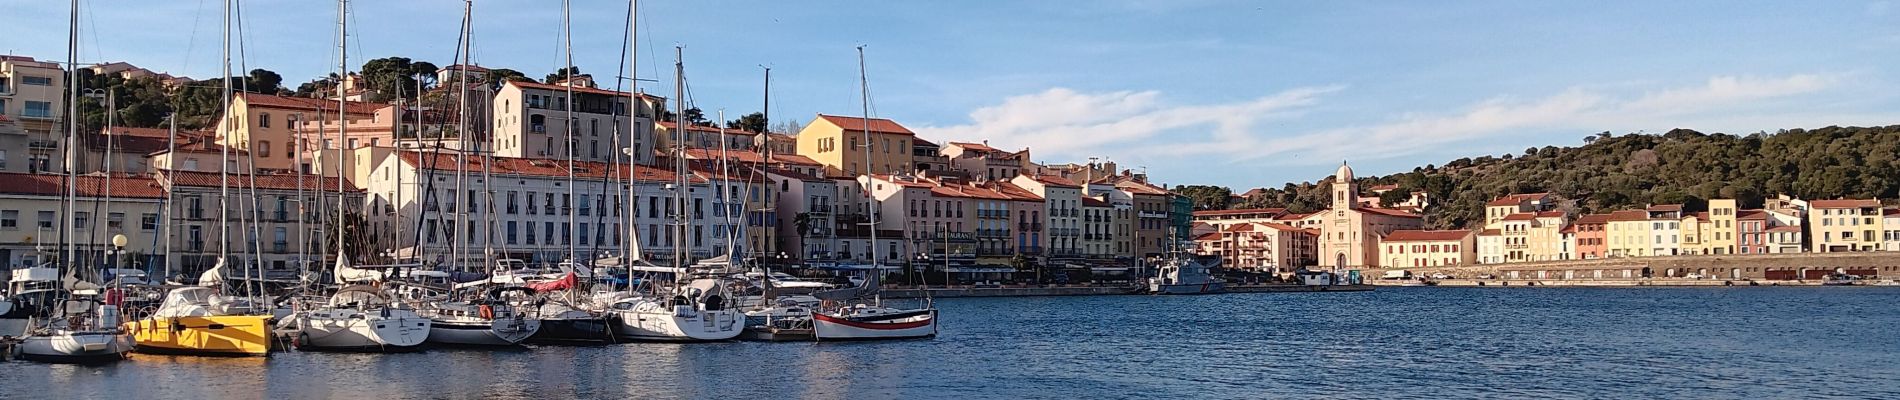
(1092, 290)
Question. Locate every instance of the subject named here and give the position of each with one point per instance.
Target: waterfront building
(743, 202)
(982, 162)
(1890, 240)
(1062, 201)
(528, 212)
(1221, 219)
(838, 143)
(778, 143)
(1350, 234)
(1591, 236)
(1751, 228)
(1696, 232)
(1151, 218)
(1030, 221)
(1261, 246)
(1629, 234)
(32, 103)
(530, 121)
(198, 154)
(1784, 239)
(1490, 246)
(1665, 229)
(277, 220)
(1096, 225)
(126, 150)
(1844, 225)
(1721, 237)
(935, 224)
(1416, 200)
(1429, 248)
(807, 202)
(33, 213)
(927, 158)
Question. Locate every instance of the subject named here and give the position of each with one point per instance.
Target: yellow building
(268, 127)
(1723, 230)
(1349, 233)
(1496, 210)
(1422, 248)
(1628, 234)
(836, 141)
(1844, 225)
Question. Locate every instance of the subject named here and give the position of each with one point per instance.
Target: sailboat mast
(870, 199)
(630, 249)
(765, 168)
(342, 113)
(679, 161)
(567, 43)
(224, 151)
(171, 150)
(70, 236)
(488, 200)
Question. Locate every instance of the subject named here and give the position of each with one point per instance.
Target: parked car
(1487, 276)
(1441, 275)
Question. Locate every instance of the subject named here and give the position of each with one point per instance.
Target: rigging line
(191, 42)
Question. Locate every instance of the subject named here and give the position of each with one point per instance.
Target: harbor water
(1739, 342)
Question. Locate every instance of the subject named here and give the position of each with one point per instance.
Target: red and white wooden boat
(866, 322)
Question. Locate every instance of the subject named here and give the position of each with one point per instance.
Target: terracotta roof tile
(1594, 219)
(264, 181)
(538, 167)
(1844, 203)
(1751, 215)
(878, 125)
(1388, 212)
(1628, 215)
(1409, 235)
(305, 103)
(123, 185)
(577, 89)
(974, 146)
(1093, 202)
(1520, 217)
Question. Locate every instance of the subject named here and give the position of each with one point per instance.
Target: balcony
(1151, 214)
(1030, 226)
(992, 233)
(42, 145)
(819, 209)
(195, 245)
(280, 247)
(992, 214)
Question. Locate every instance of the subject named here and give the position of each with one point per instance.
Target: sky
(1236, 93)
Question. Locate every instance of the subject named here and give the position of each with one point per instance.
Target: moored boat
(198, 321)
(82, 330)
(697, 311)
(360, 318)
(873, 322)
(1184, 275)
(489, 321)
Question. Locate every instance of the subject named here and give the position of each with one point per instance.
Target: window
(38, 109)
(263, 148)
(10, 219)
(82, 219)
(115, 221)
(148, 222)
(263, 120)
(511, 232)
(36, 80)
(46, 219)
(530, 231)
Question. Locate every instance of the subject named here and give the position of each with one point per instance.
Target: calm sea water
(1393, 343)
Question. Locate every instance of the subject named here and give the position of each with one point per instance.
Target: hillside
(1633, 170)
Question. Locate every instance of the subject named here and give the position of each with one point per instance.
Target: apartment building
(1845, 225)
(33, 218)
(32, 106)
(982, 162)
(1429, 248)
(531, 121)
(276, 221)
(1062, 201)
(838, 142)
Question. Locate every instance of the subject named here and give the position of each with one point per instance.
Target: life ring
(488, 312)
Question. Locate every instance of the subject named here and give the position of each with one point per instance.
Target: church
(1351, 232)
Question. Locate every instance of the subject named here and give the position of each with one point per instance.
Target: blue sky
(1242, 94)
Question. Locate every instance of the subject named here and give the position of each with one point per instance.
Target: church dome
(1344, 174)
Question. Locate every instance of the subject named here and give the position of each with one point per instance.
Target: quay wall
(970, 291)
(1768, 267)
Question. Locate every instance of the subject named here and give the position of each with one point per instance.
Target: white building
(275, 219)
(533, 214)
(1063, 202)
(30, 217)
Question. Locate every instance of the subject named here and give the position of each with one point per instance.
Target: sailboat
(358, 317)
(81, 328)
(858, 319)
(202, 320)
(491, 320)
(698, 305)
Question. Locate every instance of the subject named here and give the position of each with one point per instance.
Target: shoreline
(1053, 291)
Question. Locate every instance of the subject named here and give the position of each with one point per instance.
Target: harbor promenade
(1699, 270)
(1094, 290)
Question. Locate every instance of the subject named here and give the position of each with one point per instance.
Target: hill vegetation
(1634, 170)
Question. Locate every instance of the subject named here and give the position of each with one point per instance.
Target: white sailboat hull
(1195, 288)
(828, 327)
(349, 330)
(500, 332)
(686, 325)
(76, 347)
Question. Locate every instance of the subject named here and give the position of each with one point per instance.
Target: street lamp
(118, 249)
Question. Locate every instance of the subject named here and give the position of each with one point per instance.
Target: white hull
(1199, 288)
(349, 330)
(652, 322)
(76, 347)
(503, 332)
(831, 327)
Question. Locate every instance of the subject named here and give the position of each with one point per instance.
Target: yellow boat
(187, 324)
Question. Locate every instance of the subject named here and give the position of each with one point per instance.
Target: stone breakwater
(1783, 269)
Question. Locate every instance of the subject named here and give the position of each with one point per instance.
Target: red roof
(749, 157)
(1294, 217)
(1844, 203)
(1593, 219)
(1138, 188)
(967, 191)
(910, 182)
(538, 167)
(1891, 212)
(1093, 202)
(123, 185)
(264, 181)
(306, 103)
(1515, 199)
(878, 125)
(1489, 232)
(1240, 228)
(1785, 228)
(1629, 215)
(1751, 215)
(1015, 193)
(1550, 214)
(1056, 181)
(1208, 237)
(1282, 227)
(1392, 186)
(1212, 213)
(1408, 235)
(669, 125)
(794, 159)
(1520, 217)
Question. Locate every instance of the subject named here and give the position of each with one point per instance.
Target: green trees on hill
(1634, 170)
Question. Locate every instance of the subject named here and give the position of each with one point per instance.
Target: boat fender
(488, 312)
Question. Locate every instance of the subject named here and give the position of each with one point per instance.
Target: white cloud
(1575, 108)
(1063, 123)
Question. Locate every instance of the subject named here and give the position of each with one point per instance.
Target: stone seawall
(1771, 267)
